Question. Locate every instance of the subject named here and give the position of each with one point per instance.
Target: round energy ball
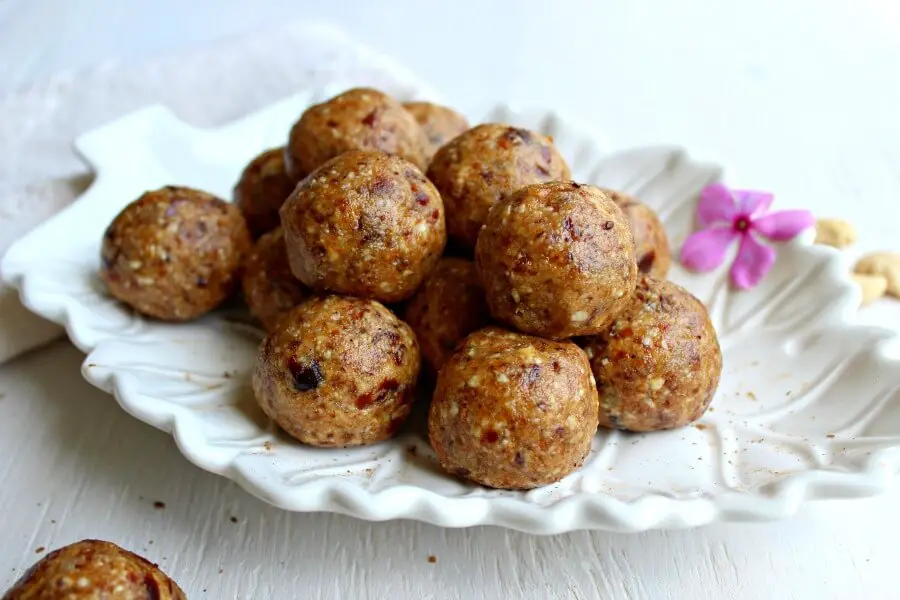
(261, 190)
(358, 119)
(651, 243)
(270, 289)
(556, 260)
(365, 223)
(485, 164)
(338, 371)
(513, 411)
(94, 570)
(449, 306)
(440, 124)
(174, 253)
(658, 364)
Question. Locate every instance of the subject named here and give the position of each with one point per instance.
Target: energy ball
(449, 306)
(339, 371)
(485, 164)
(440, 124)
(658, 364)
(556, 260)
(651, 244)
(174, 253)
(513, 411)
(94, 570)
(366, 224)
(270, 289)
(358, 119)
(261, 190)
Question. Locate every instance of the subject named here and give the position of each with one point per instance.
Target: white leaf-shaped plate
(808, 407)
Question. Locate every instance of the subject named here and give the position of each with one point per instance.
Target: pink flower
(728, 215)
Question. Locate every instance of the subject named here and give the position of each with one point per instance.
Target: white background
(802, 98)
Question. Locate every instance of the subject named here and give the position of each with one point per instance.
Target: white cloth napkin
(40, 173)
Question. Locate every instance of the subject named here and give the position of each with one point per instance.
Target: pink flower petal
(752, 263)
(706, 249)
(784, 225)
(752, 203)
(716, 205)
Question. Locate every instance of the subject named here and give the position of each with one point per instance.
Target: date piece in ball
(270, 289)
(261, 190)
(658, 364)
(174, 253)
(449, 306)
(485, 164)
(338, 371)
(440, 124)
(94, 570)
(557, 260)
(513, 411)
(366, 224)
(651, 244)
(358, 119)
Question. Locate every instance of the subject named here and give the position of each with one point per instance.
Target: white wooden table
(801, 98)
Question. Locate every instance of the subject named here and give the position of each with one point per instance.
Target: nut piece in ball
(651, 244)
(270, 289)
(358, 119)
(94, 570)
(366, 224)
(449, 306)
(174, 253)
(556, 260)
(485, 164)
(513, 411)
(261, 190)
(658, 364)
(339, 371)
(440, 124)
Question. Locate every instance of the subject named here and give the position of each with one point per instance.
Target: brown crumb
(830, 436)
(233, 519)
(159, 505)
(700, 426)
(227, 375)
(751, 395)
(432, 558)
(268, 446)
(221, 571)
(39, 549)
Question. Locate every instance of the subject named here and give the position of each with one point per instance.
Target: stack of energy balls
(538, 304)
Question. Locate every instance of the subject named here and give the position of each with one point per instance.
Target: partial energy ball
(440, 124)
(174, 253)
(261, 190)
(658, 364)
(338, 371)
(270, 289)
(366, 224)
(485, 164)
(556, 260)
(94, 570)
(358, 119)
(651, 243)
(449, 306)
(513, 411)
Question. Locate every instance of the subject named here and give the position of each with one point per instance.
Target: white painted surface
(801, 97)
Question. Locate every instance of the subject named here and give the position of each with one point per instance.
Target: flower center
(742, 224)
